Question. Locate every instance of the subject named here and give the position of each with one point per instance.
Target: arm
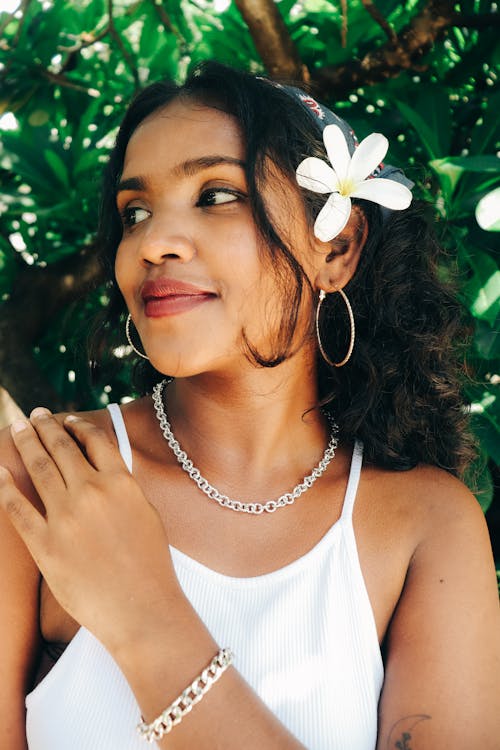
(19, 633)
(442, 685)
(94, 506)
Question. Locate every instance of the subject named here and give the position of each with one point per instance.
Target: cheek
(121, 267)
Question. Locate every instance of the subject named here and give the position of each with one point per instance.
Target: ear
(340, 257)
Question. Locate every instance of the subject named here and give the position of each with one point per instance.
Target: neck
(263, 422)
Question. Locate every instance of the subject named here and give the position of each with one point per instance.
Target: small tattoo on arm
(403, 743)
(401, 732)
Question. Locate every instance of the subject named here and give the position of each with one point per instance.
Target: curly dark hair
(400, 392)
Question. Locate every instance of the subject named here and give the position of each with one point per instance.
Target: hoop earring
(127, 333)
(322, 296)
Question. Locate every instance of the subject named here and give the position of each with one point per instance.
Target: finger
(63, 449)
(41, 469)
(28, 522)
(99, 448)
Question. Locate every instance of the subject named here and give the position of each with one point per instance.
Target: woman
(272, 305)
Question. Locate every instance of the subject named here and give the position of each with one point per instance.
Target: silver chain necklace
(256, 508)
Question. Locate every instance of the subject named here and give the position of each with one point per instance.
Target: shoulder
(425, 502)
(452, 545)
(448, 505)
(409, 525)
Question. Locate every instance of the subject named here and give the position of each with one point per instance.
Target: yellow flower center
(346, 187)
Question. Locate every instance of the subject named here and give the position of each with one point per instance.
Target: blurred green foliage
(68, 70)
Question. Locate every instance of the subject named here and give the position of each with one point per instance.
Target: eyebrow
(186, 169)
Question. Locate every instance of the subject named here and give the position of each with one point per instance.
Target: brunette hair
(400, 392)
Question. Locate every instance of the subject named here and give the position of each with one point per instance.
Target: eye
(132, 215)
(218, 196)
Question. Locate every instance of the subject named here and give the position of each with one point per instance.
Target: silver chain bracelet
(182, 705)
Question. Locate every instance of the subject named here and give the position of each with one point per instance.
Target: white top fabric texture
(303, 636)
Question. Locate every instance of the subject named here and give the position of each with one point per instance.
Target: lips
(164, 297)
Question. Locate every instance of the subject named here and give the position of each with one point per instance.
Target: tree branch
(119, 41)
(60, 79)
(163, 16)
(4, 44)
(10, 16)
(401, 52)
(382, 22)
(343, 31)
(87, 39)
(166, 22)
(388, 60)
(272, 40)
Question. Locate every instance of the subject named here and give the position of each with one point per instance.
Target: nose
(166, 240)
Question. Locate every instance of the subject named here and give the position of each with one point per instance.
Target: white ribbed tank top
(304, 637)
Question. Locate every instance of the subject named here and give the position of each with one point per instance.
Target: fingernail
(71, 418)
(18, 425)
(39, 413)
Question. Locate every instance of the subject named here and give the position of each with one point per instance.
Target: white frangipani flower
(346, 178)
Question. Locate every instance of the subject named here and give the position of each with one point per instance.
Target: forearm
(14, 737)
(173, 650)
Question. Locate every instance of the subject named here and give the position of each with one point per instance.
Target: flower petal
(337, 150)
(316, 175)
(368, 155)
(386, 193)
(332, 218)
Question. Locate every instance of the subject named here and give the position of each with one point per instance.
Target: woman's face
(189, 264)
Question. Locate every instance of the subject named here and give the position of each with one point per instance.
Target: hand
(101, 546)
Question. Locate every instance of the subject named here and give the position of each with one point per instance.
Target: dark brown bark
(390, 59)
(272, 40)
(39, 296)
(404, 51)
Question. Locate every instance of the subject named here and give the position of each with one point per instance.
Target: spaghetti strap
(353, 481)
(121, 434)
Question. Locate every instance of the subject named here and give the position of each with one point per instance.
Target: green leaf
(485, 418)
(487, 339)
(487, 302)
(88, 162)
(448, 173)
(8, 267)
(58, 167)
(485, 135)
(424, 132)
(483, 288)
(485, 422)
(429, 115)
(285, 7)
(478, 479)
(474, 163)
(488, 211)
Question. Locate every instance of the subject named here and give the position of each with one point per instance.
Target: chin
(191, 355)
(183, 367)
